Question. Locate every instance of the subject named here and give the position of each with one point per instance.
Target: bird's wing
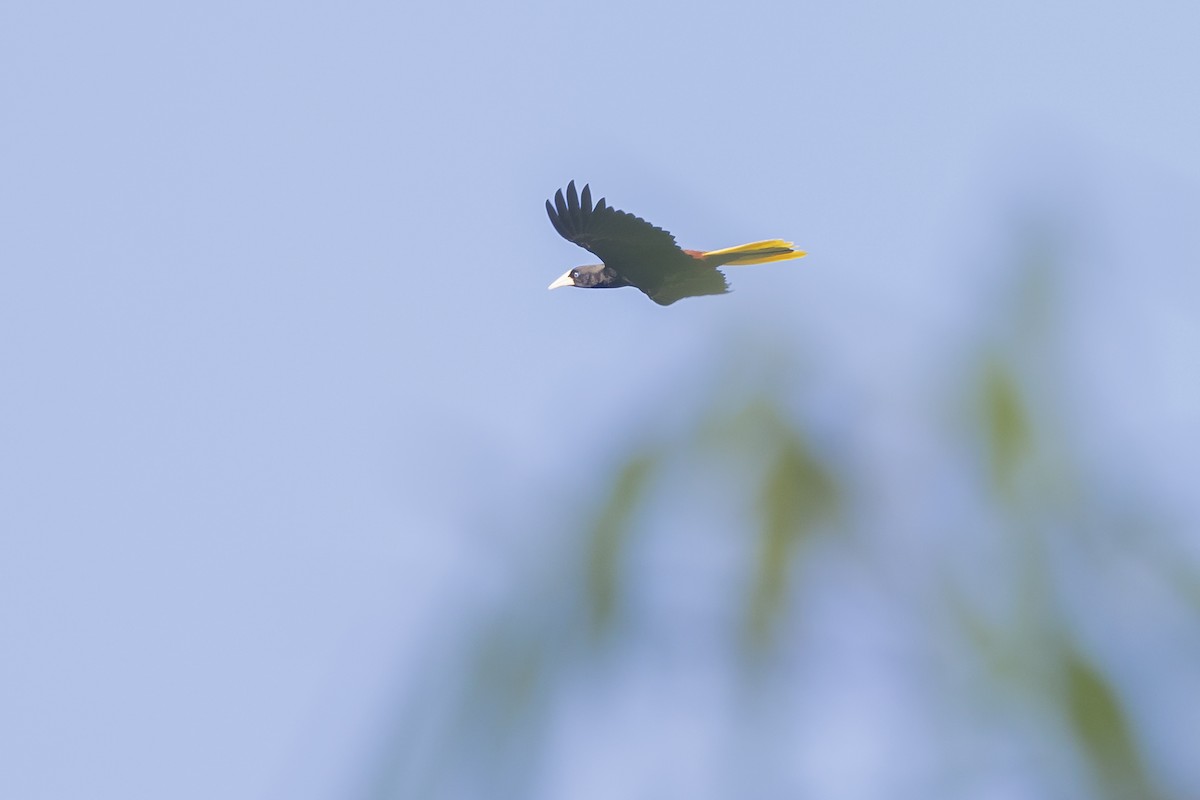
(637, 250)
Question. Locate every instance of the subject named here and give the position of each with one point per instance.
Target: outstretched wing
(627, 244)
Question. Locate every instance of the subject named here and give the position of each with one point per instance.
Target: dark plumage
(636, 253)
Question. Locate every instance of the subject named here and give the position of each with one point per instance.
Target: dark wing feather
(558, 222)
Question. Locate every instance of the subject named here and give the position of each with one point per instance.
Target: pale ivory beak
(565, 280)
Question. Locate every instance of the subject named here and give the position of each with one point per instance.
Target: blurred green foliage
(1005, 425)
(1103, 730)
(747, 462)
(797, 494)
(610, 532)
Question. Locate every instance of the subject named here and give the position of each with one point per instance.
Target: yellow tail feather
(756, 253)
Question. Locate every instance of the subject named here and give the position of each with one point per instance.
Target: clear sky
(275, 342)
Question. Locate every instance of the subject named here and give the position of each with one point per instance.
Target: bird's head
(592, 276)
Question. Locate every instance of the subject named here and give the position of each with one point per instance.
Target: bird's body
(635, 253)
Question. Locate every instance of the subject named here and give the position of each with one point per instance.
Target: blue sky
(274, 331)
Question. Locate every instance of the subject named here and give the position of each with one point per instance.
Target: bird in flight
(635, 253)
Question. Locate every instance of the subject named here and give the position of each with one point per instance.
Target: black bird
(635, 253)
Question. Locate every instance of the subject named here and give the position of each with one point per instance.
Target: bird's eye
(574, 273)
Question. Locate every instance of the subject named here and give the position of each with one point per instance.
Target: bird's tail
(754, 253)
